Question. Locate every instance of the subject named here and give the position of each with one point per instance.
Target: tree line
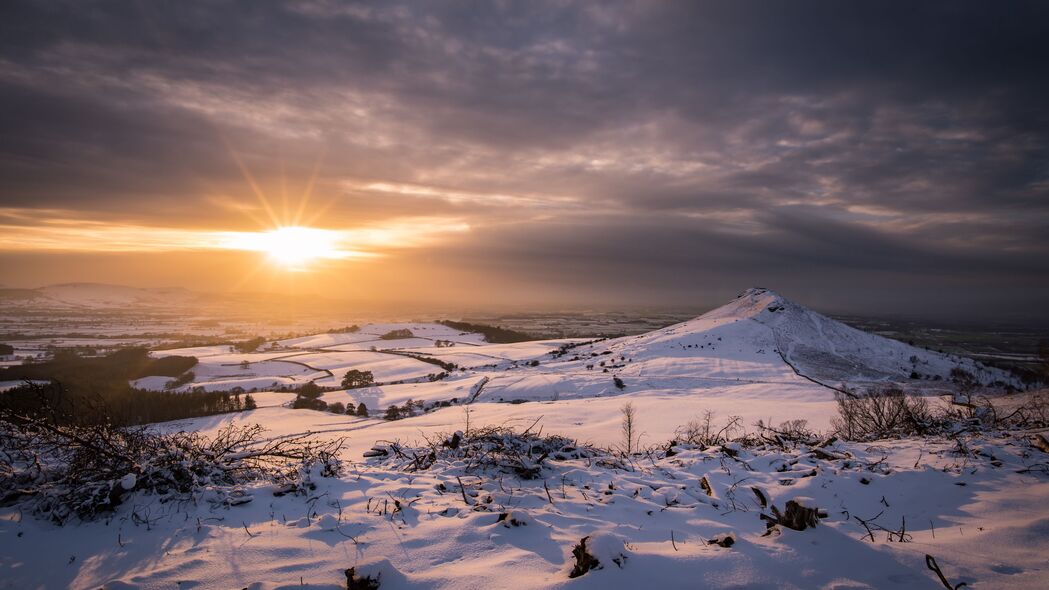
(492, 334)
(97, 389)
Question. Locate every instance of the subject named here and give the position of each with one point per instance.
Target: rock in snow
(128, 481)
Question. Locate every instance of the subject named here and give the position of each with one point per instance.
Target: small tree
(409, 408)
(249, 345)
(618, 383)
(310, 391)
(355, 379)
(308, 398)
(628, 426)
(362, 410)
(305, 403)
(181, 380)
(249, 403)
(337, 408)
(244, 365)
(392, 413)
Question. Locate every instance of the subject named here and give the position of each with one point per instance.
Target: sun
(291, 248)
(294, 248)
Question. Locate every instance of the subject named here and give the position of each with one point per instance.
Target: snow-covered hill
(764, 329)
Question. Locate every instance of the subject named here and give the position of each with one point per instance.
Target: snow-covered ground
(652, 510)
(649, 519)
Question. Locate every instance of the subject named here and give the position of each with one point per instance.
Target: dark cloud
(827, 145)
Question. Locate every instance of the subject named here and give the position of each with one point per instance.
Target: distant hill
(97, 296)
(103, 296)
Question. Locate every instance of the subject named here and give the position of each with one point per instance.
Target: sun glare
(292, 247)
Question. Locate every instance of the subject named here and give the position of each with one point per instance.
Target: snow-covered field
(325, 358)
(975, 503)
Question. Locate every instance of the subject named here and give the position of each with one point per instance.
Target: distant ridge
(105, 296)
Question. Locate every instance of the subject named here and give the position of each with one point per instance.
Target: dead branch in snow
(795, 515)
(930, 562)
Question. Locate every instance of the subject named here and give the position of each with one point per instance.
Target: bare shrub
(1031, 412)
(704, 432)
(881, 413)
(796, 429)
(792, 431)
(485, 448)
(60, 469)
(1035, 411)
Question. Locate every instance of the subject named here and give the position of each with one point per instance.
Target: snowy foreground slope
(975, 502)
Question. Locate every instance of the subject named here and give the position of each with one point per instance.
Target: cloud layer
(613, 153)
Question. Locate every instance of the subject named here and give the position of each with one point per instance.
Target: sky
(858, 157)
